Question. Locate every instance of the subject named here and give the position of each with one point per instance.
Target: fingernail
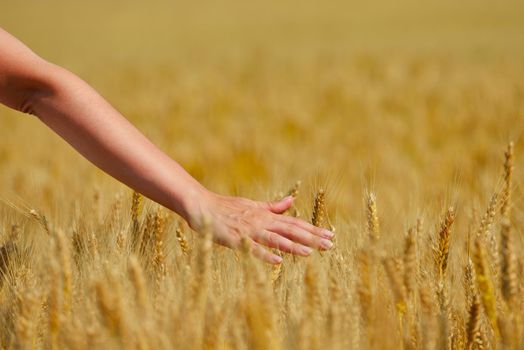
(328, 234)
(306, 250)
(324, 243)
(277, 259)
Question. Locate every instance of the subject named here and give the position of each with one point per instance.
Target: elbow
(23, 99)
(28, 102)
(34, 96)
(26, 92)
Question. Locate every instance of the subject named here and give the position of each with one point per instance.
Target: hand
(231, 218)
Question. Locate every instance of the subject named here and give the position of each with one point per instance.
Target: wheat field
(399, 125)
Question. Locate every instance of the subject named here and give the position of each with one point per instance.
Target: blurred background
(415, 99)
(161, 31)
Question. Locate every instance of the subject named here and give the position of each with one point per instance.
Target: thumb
(278, 207)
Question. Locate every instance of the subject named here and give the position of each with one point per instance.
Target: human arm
(75, 111)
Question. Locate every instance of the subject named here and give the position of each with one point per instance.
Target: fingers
(265, 255)
(274, 240)
(318, 231)
(300, 235)
(256, 249)
(278, 207)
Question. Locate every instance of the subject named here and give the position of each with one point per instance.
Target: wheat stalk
(372, 217)
(485, 285)
(509, 264)
(110, 309)
(136, 210)
(63, 251)
(182, 241)
(319, 209)
(473, 329)
(441, 250)
(505, 209)
(136, 275)
(159, 255)
(41, 219)
(410, 262)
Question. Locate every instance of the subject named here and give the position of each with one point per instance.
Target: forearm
(100, 133)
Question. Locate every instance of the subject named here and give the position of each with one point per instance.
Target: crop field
(399, 125)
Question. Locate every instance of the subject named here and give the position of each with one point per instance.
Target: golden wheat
(248, 99)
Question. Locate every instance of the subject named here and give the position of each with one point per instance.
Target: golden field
(397, 111)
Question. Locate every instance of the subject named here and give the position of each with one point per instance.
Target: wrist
(194, 203)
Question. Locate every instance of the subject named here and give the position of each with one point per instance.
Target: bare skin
(83, 118)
